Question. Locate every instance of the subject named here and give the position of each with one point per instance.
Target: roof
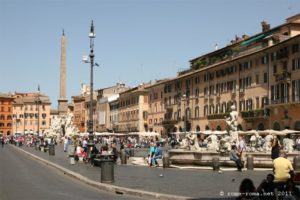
(6, 95)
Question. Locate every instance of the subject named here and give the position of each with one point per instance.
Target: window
(296, 63)
(257, 78)
(274, 69)
(197, 112)
(257, 102)
(295, 48)
(265, 59)
(197, 92)
(265, 77)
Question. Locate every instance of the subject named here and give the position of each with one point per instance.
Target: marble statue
(231, 121)
(193, 141)
(267, 146)
(212, 143)
(256, 142)
(288, 145)
(225, 146)
(62, 126)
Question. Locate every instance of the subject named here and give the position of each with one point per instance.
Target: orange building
(79, 112)
(6, 114)
(31, 113)
(260, 75)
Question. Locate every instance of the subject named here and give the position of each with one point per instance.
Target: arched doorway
(218, 128)
(260, 127)
(206, 127)
(297, 125)
(198, 128)
(276, 126)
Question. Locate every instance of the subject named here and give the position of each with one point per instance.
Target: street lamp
(92, 35)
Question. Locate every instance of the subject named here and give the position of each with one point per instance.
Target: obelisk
(62, 101)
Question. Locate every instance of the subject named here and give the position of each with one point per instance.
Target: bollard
(166, 160)
(72, 160)
(250, 163)
(296, 163)
(215, 164)
(123, 157)
(51, 150)
(131, 152)
(71, 150)
(107, 171)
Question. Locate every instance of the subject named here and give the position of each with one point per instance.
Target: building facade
(259, 75)
(104, 98)
(6, 114)
(157, 106)
(31, 113)
(133, 110)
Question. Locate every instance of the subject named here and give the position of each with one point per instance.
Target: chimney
(265, 26)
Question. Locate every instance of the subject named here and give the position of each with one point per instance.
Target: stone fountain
(218, 146)
(62, 125)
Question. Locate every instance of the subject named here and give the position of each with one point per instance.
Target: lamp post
(92, 36)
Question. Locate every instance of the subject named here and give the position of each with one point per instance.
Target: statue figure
(288, 145)
(184, 144)
(193, 141)
(190, 142)
(231, 121)
(256, 142)
(267, 146)
(212, 142)
(225, 145)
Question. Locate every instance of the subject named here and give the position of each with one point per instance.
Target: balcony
(282, 100)
(284, 76)
(217, 116)
(254, 114)
(169, 122)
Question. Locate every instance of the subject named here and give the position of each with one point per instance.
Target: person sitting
(282, 168)
(247, 190)
(157, 154)
(267, 188)
(234, 156)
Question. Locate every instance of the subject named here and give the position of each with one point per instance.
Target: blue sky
(136, 40)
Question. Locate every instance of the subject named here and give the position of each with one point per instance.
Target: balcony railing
(254, 113)
(217, 116)
(283, 76)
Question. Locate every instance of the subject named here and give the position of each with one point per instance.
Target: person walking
(2, 142)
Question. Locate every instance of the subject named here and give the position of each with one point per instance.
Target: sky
(136, 40)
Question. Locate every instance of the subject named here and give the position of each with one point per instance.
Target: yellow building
(133, 110)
